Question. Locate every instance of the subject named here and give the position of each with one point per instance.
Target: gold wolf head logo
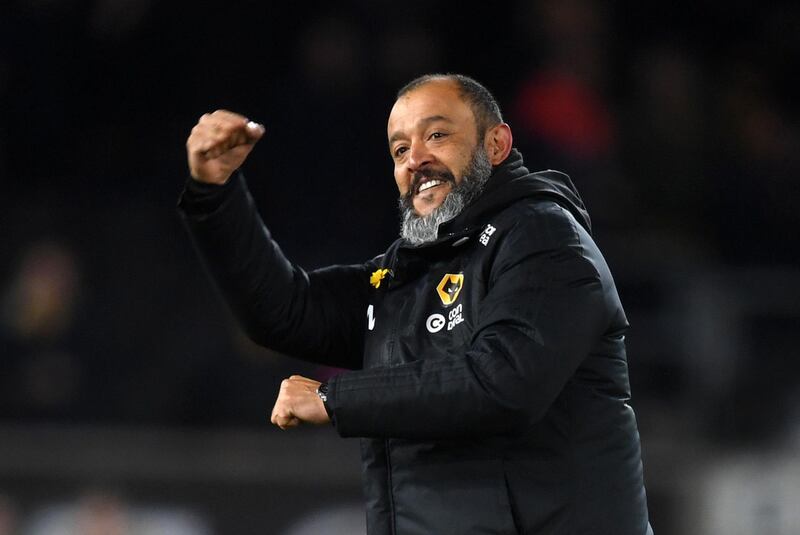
(450, 287)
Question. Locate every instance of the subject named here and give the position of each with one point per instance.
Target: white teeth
(429, 184)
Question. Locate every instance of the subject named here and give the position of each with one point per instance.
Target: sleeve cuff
(199, 198)
(330, 403)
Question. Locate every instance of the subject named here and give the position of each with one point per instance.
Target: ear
(498, 142)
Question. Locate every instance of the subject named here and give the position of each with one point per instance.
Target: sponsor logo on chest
(448, 290)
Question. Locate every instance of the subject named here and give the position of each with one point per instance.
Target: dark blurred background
(131, 403)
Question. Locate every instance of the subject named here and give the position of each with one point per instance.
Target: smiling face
(432, 137)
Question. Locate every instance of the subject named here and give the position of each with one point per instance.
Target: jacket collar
(509, 182)
(472, 218)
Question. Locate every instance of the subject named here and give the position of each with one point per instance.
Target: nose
(418, 156)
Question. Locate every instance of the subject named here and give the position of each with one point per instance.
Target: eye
(437, 135)
(399, 151)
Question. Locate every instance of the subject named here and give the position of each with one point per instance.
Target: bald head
(482, 103)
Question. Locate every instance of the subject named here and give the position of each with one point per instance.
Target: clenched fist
(219, 144)
(298, 402)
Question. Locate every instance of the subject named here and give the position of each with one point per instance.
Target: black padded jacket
(487, 375)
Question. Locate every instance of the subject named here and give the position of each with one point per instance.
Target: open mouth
(426, 182)
(430, 184)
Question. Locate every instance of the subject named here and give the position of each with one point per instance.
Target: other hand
(218, 145)
(298, 403)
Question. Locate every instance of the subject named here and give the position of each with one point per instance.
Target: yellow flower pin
(377, 276)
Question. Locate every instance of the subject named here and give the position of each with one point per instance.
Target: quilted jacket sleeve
(317, 316)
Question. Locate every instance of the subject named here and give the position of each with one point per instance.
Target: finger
(226, 122)
(200, 137)
(217, 147)
(305, 382)
(301, 379)
(237, 133)
(219, 139)
(287, 422)
(280, 417)
(206, 118)
(203, 138)
(223, 115)
(278, 410)
(292, 422)
(221, 120)
(221, 125)
(274, 416)
(254, 131)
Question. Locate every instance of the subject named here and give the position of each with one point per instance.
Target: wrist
(210, 180)
(322, 392)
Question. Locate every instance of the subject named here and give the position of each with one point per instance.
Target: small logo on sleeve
(487, 234)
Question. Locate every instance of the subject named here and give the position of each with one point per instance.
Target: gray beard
(418, 230)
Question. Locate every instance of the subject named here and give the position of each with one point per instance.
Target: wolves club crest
(450, 287)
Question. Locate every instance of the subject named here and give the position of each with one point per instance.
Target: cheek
(461, 165)
(454, 161)
(402, 181)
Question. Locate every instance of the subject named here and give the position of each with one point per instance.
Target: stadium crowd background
(677, 122)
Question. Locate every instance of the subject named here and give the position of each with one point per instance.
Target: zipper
(393, 336)
(389, 490)
(392, 340)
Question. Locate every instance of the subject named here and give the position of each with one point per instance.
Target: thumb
(254, 131)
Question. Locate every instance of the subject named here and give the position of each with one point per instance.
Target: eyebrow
(423, 122)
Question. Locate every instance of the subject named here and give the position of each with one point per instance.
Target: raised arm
(316, 316)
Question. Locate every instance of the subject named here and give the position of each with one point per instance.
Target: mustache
(406, 201)
(431, 174)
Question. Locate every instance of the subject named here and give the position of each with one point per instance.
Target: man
(489, 380)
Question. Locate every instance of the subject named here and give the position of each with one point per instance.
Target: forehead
(434, 99)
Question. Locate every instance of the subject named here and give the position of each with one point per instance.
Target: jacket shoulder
(541, 223)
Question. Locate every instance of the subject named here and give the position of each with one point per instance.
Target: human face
(432, 137)
(417, 230)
